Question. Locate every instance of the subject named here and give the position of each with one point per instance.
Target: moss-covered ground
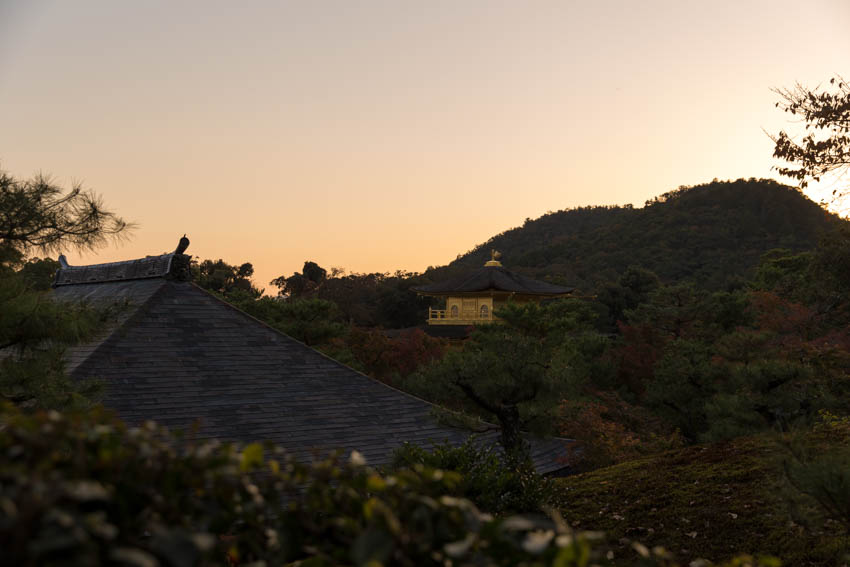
(710, 502)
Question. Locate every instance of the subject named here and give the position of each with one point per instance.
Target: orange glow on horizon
(377, 136)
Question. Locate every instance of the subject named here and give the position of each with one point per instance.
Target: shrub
(485, 477)
(84, 489)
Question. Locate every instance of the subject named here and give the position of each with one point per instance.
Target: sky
(378, 135)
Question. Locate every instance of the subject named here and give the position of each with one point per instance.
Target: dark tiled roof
(178, 354)
(493, 278)
(149, 267)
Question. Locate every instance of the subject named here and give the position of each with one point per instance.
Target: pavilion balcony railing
(446, 316)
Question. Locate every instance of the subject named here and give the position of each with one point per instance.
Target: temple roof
(493, 278)
(179, 355)
(148, 267)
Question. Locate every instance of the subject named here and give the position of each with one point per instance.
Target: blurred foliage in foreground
(83, 489)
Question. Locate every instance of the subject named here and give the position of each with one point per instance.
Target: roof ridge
(172, 265)
(139, 268)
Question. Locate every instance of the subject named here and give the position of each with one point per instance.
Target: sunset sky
(384, 135)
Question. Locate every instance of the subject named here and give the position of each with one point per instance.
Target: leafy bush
(33, 335)
(84, 489)
(485, 478)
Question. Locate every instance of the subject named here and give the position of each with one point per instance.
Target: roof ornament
(174, 266)
(182, 245)
(494, 256)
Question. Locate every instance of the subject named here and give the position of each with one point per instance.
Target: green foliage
(515, 373)
(819, 278)
(38, 216)
(632, 289)
(34, 331)
(724, 364)
(486, 478)
(759, 396)
(783, 271)
(831, 263)
(38, 273)
(229, 281)
(817, 467)
(311, 321)
(365, 300)
(298, 285)
(398, 306)
(318, 309)
(827, 480)
(684, 379)
(39, 381)
(736, 384)
(684, 311)
(84, 489)
(313, 272)
(668, 314)
(391, 359)
(674, 311)
(712, 234)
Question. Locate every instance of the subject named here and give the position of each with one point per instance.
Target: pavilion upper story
(472, 299)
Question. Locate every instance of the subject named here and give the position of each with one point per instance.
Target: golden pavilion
(472, 298)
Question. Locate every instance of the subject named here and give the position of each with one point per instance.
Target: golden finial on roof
(493, 261)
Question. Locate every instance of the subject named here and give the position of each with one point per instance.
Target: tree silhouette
(39, 215)
(825, 146)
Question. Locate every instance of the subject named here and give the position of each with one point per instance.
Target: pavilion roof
(493, 278)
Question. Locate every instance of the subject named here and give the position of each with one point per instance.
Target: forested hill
(708, 233)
